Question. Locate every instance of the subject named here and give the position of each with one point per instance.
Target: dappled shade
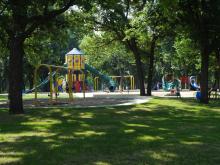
(161, 131)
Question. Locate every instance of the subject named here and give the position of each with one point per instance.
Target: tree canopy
(147, 38)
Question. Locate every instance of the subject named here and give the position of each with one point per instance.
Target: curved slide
(109, 82)
(193, 84)
(44, 82)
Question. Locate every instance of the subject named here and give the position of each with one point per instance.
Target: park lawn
(162, 131)
(31, 96)
(3, 97)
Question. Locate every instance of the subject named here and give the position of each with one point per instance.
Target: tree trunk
(31, 77)
(204, 74)
(133, 47)
(121, 82)
(151, 66)
(218, 67)
(15, 75)
(31, 83)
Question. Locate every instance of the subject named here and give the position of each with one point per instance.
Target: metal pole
(94, 84)
(35, 84)
(56, 87)
(132, 82)
(70, 84)
(51, 85)
(84, 77)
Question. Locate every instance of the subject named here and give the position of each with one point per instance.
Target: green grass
(3, 97)
(30, 96)
(163, 131)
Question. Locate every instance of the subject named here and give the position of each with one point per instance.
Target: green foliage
(187, 55)
(165, 54)
(106, 54)
(178, 56)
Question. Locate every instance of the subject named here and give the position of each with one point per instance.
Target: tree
(115, 17)
(3, 64)
(108, 55)
(20, 19)
(152, 23)
(201, 19)
(187, 57)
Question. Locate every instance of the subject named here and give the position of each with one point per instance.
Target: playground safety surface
(97, 100)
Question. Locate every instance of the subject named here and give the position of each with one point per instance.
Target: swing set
(53, 79)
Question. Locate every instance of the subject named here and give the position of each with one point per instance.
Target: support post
(84, 93)
(35, 85)
(70, 84)
(56, 83)
(51, 84)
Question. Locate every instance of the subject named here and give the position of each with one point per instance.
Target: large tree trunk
(31, 83)
(204, 74)
(121, 82)
(151, 66)
(15, 75)
(140, 75)
(30, 76)
(218, 68)
(133, 47)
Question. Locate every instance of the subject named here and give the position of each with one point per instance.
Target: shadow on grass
(3, 97)
(162, 131)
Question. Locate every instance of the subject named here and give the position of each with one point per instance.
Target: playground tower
(75, 60)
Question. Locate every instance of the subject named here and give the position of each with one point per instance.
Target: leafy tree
(107, 55)
(115, 17)
(187, 55)
(19, 19)
(201, 19)
(151, 24)
(100, 48)
(3, 66)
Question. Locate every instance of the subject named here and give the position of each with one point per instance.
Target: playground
(78, 115)
(94, 99)
(78, 84)
(97, 99)
(109, 82)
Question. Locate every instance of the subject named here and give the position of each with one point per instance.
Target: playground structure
(106, 79)
(54, 83)
(128, 78)
(169, 83)
(75, 60)
(193, 83)
(75, 71)
(184, 82)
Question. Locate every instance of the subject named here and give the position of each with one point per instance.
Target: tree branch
(38, 20)
(127, 8)
(49, 15)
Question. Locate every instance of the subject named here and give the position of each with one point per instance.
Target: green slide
(44, 82)
(107, 80)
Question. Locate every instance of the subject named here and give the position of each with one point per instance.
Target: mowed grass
(3, 97)
(163, 131)
(30, 96)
